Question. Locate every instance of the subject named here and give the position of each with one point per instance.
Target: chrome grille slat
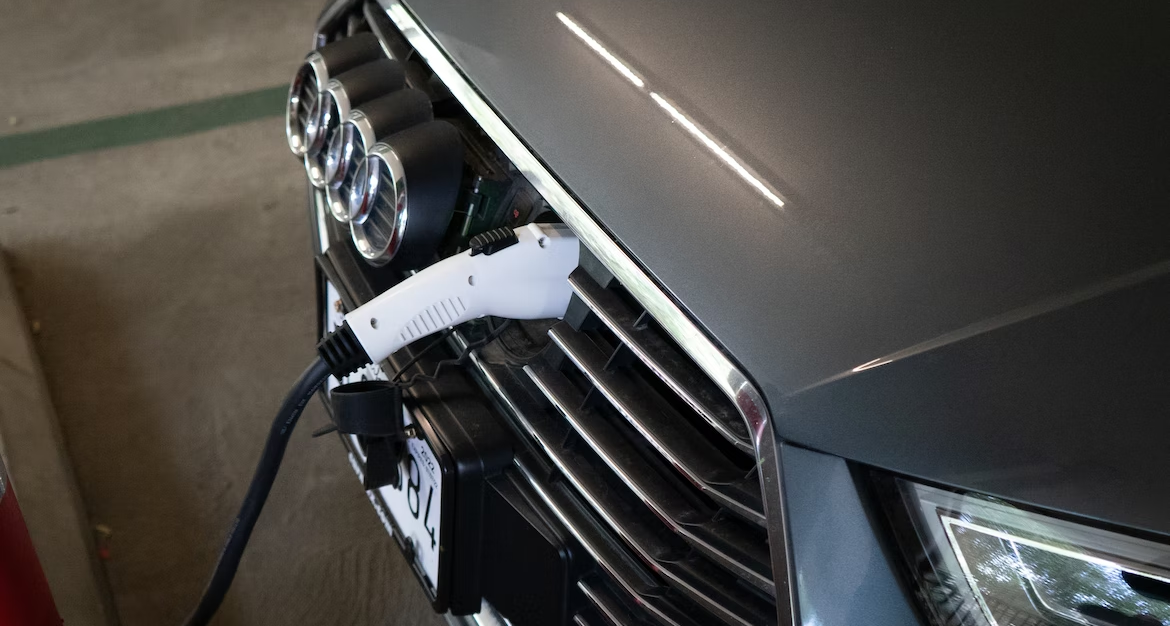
(687, 380)
(647, 535)
(611, 608)
(679, 442)
(662, 603)
(730, 542)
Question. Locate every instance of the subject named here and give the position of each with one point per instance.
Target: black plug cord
(421, 353)
(339, 354)
(241, 529)
(474, 345)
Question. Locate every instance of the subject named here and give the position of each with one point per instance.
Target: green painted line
(141, 127)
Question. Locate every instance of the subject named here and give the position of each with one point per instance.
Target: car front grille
(651, 475)
(646, 443)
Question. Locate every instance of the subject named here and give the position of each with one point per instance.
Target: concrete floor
(172, 286)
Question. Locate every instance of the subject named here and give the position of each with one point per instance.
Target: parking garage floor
(169, 286)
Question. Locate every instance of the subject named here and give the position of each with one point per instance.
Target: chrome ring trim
(676, 323)
(347, 149)
(337, 90)
(317, 62)
(337, 155)
(385, 155)
(361, 123)
(318, 147)
(293, 130)
(335, 200)
(360, 135)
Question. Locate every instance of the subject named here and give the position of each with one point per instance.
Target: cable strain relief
(342, 351)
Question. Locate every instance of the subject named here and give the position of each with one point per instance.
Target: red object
(25, 599)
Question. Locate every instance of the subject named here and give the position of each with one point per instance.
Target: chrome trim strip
(320, 209)
(368, 11)
(592, 595)
(650, 437)
(679, 582)
(717, 555)
(725, 374)
(636, 346)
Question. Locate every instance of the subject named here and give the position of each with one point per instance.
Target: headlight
(388, 222)
(340, 95)
(980, 561)
(372, 122)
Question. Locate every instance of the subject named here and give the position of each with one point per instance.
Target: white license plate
(414, 504)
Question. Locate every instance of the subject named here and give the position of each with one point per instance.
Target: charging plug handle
(523, 274)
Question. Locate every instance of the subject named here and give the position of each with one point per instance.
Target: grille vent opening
(653, 458)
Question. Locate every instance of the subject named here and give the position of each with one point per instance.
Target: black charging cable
(241, 529)
(340, 354)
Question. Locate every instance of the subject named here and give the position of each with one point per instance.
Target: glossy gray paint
(843, 575)
(954, 172)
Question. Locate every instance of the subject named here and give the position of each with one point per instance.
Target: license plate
(414, 505)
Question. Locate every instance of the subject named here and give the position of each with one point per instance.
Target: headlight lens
(980, 561)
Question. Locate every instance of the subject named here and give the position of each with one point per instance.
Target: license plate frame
(420, 537)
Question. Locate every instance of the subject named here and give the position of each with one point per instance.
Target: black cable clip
(372, 410)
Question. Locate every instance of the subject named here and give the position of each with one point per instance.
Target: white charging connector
(527, 279)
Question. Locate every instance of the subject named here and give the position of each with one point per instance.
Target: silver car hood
(869, 205)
